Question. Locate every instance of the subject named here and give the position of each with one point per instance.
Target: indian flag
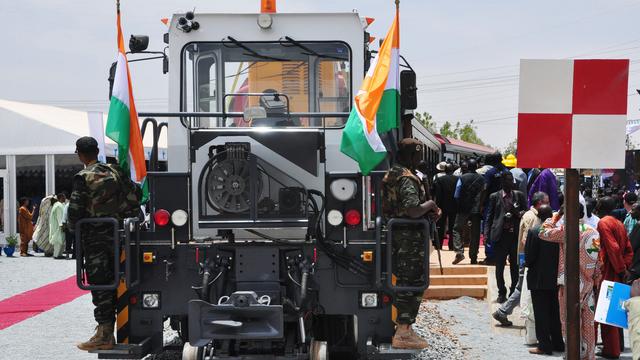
(376, 107)
(122, 123)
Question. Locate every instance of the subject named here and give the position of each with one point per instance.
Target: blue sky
(466, 53)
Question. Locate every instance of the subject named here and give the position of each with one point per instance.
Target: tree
(511, 148)
(427, 121)
(446, 130)
(468, 133)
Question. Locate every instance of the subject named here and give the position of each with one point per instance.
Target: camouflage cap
(87, 145)
(408, 146)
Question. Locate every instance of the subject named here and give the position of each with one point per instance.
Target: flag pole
(572, 262)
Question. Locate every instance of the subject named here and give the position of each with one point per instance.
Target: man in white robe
(56, 227)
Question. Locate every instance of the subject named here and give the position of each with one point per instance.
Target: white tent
(48, 134)
(41, 129)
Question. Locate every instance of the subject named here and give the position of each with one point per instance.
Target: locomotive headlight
(369, 300)
(179, 218)
(334, 217)
(151, 300)
(344, 189)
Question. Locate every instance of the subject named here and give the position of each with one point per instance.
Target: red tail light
(352, 217)
(386, 299)
(161, 217)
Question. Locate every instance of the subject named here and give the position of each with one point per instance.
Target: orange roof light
(268, 6)
(371, 39)
(369, 20)
(165, 21)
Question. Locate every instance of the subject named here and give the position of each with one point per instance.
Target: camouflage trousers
(98, 255)
(408, 268)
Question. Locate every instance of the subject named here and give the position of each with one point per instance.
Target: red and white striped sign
(572, 113)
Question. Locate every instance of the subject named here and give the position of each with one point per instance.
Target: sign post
(572, 263)
(572, 114)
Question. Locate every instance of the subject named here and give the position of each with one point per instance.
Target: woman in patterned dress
(589, 273)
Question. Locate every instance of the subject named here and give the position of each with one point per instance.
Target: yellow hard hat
(510, 161)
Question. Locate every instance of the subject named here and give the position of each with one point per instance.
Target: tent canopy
(30, 129)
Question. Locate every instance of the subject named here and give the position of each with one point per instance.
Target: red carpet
(33, 302)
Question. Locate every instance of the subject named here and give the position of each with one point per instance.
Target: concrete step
(444, 292)
(459, 270)
(453, 280)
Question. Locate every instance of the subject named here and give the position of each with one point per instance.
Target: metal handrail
(131, 224)
(425, 229)
(80, 255)
(378, 253)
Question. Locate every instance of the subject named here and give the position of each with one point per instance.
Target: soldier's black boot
(102, 340)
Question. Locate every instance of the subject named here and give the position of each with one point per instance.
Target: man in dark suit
(444, 189)
(470, 193)
(505, 209)
(541, 257)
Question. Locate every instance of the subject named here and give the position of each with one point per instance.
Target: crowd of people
(45, 227)
(519, 213)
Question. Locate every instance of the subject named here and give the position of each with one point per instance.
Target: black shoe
(58, 257)
(501, 299)
(502, 319)
(458, 259)
(474, 261)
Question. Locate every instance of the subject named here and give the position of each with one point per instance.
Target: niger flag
(376, 107)
(122, 123)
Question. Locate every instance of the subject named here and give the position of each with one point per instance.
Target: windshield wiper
(253, 52)
(310, 51)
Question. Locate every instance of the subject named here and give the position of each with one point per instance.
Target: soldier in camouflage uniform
(403, 196)
(100, 190)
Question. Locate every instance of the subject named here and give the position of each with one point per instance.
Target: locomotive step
(124, 351)
(119, 351)
(452, 280)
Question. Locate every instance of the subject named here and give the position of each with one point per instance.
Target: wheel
(318, 350)
(191, 352)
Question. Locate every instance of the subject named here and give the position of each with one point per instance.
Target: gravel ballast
(435, 329)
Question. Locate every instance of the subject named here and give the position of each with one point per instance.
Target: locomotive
(265, 241)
